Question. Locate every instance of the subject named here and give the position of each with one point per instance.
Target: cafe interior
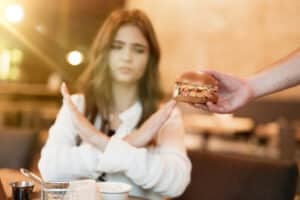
(252, 153)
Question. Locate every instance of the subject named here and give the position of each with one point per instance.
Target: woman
(120, 98)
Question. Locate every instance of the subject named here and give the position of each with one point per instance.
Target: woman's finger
(65, 93)
(165, 112)
(156, 121)
(201, 106)
(64, 90)
(216, 108)
(67, 98)
(168, 108)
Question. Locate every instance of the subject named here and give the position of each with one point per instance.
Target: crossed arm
(164, 169)
(139, 138)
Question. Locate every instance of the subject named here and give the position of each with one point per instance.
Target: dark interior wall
(230, 177)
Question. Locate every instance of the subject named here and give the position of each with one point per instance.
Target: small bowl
(113, 190)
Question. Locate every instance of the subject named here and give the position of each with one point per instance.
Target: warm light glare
(4, 64)
(14, 13)
(75, 57)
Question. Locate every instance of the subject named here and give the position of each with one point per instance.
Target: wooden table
(11, 175)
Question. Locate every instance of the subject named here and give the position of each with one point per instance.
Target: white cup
(113, 190)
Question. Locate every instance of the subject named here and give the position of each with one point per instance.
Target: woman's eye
(116, 46)
(139, 50)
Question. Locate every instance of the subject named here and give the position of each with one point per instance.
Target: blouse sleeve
(166, 169)
(61, 158)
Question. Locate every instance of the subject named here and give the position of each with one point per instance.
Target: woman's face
(128, 55)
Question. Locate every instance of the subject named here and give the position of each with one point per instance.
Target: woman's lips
(125, 69)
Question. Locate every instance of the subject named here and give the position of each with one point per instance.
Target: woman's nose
(127, 54)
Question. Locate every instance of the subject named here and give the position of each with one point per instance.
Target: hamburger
(196, 88)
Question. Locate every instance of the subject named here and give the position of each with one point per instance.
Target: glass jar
(56, 191)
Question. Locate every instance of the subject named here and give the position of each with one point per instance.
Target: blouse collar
(132, 113)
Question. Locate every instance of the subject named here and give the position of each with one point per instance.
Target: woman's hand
(233, 93)
(151, 126)
(86, 130)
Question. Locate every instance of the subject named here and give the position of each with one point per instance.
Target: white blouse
(154, 172)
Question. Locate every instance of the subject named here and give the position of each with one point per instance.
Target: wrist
(100, 142)
(128, 139)
(131, 139)
(253, 88)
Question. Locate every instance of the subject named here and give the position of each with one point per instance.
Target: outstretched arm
(236, 92)
(285, 73)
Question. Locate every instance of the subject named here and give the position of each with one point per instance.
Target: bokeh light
(75, 57)
(14, 13)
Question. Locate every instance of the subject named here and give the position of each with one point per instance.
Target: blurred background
(45, 42)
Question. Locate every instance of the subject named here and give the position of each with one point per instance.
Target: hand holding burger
(231, 92)
(196, 88)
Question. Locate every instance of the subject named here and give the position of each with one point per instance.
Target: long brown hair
(96, 80)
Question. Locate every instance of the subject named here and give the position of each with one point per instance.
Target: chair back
(232, 177)
(16, 147)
